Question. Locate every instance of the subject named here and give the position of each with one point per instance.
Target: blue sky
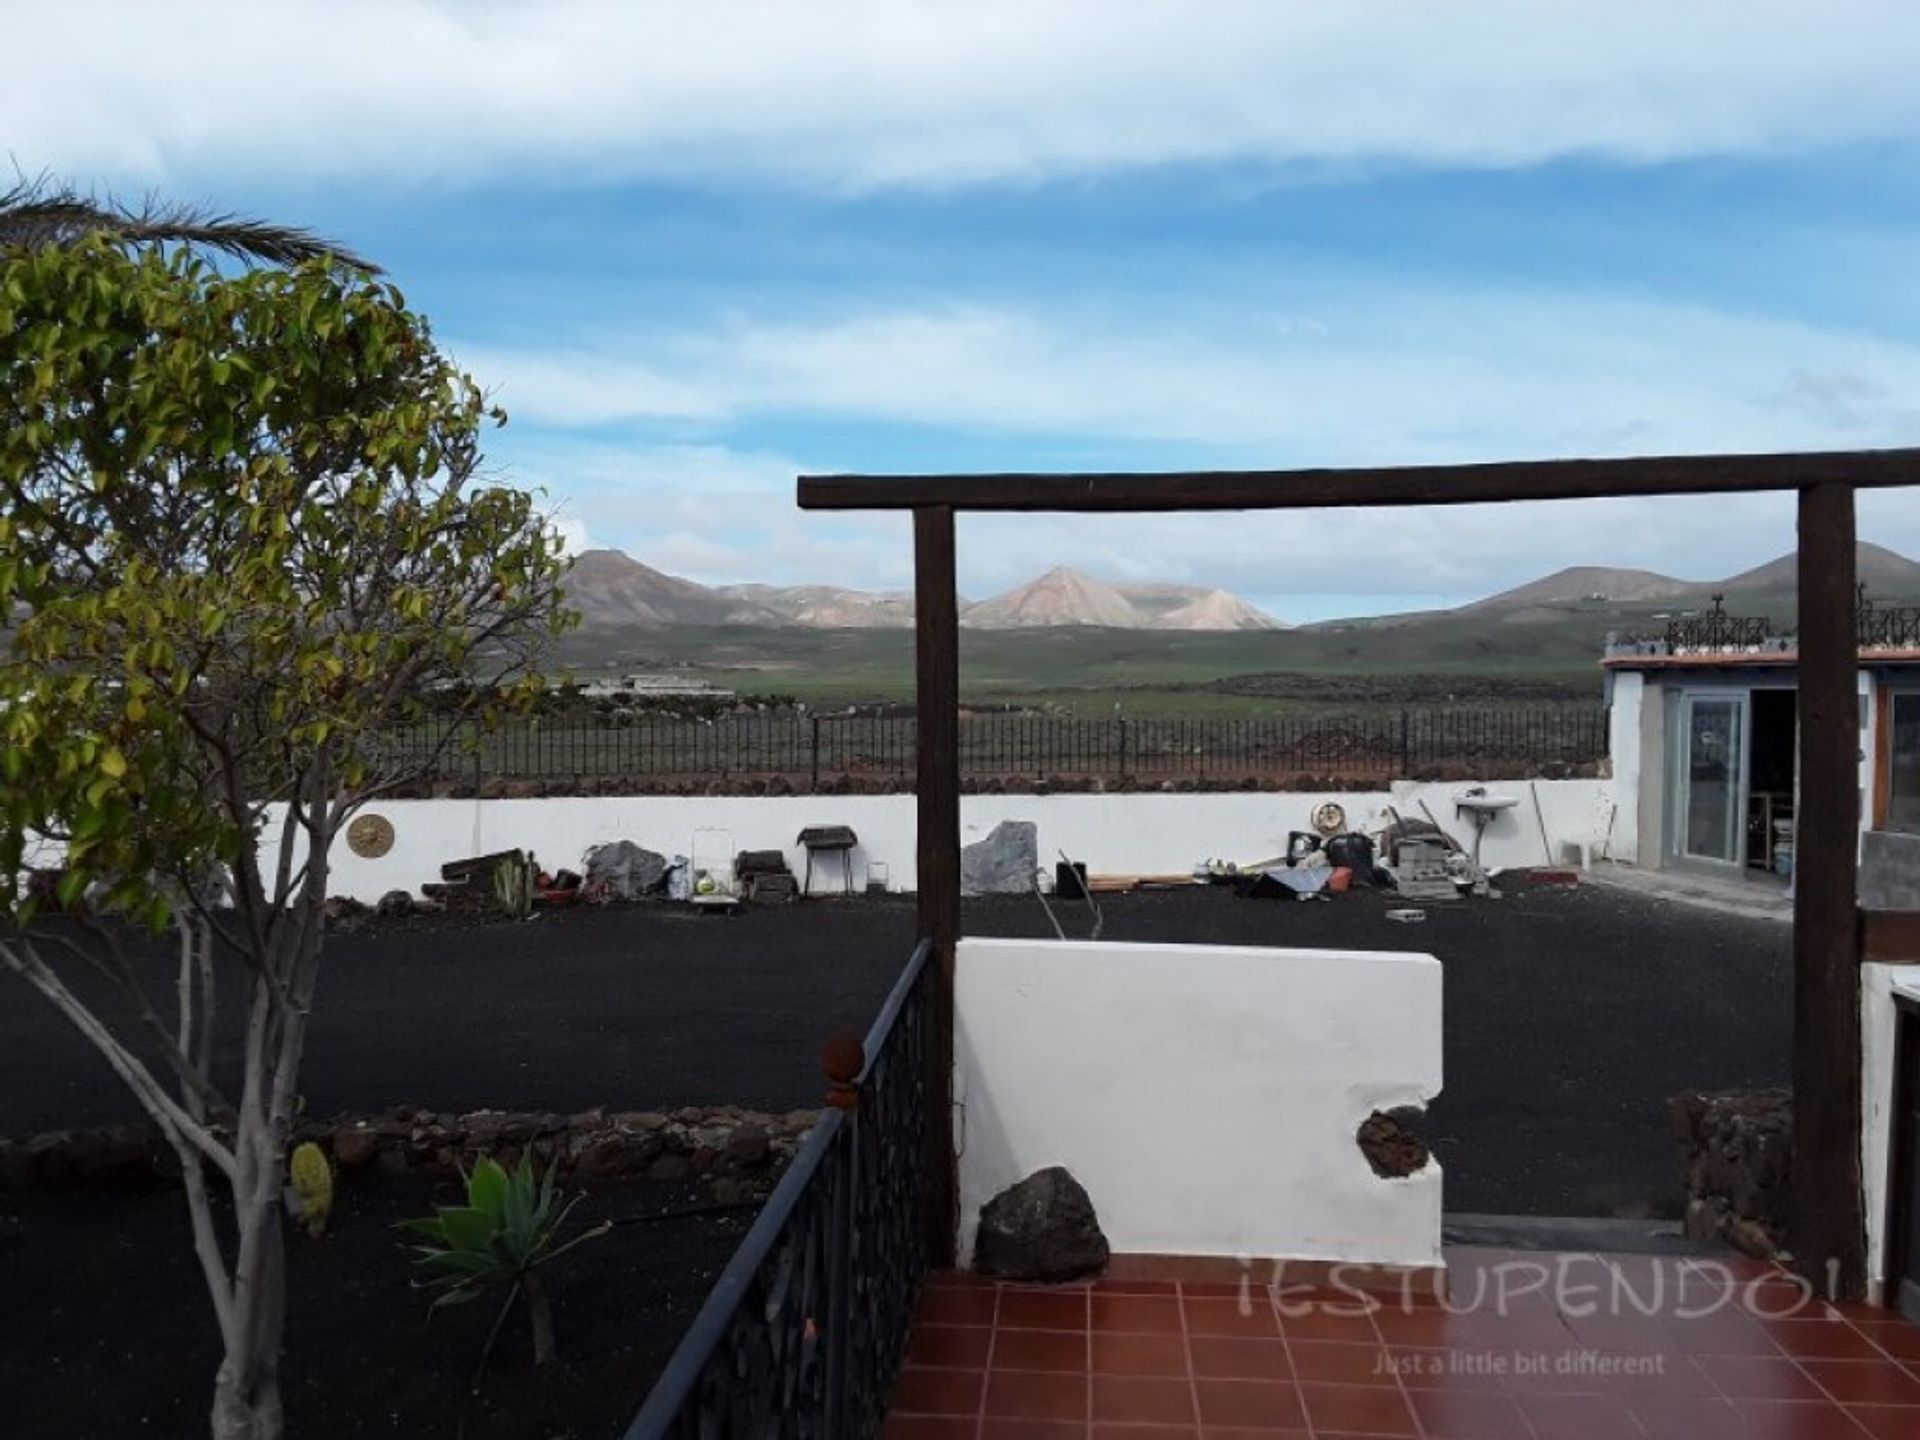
(696, 250)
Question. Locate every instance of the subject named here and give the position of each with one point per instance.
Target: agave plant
(508, 1227)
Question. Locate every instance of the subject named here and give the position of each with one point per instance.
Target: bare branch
(23, 958)
(110, 959)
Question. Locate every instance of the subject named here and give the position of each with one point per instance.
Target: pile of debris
(1415, 856)
(513, 882)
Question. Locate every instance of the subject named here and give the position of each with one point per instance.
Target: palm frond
(34, 213)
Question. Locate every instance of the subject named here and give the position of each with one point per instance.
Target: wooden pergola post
(937, 760)
(1827, 1224)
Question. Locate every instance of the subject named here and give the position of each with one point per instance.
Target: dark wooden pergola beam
(1828, 1228)
(1122, 491)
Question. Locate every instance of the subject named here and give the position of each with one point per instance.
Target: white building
(1704, 738)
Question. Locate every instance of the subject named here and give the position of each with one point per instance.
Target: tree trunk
(540, 1311)
(246, 1399)
(240, 1413)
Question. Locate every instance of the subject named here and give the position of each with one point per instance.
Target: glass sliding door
(1903, 762)
(1708, 814)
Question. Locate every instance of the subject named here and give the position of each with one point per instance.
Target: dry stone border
(1738, 1149)
(735, 1153)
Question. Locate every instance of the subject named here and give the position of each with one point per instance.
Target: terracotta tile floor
(1529, 1346)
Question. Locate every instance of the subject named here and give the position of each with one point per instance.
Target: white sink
(1485, 804)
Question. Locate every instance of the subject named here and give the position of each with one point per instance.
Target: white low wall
(1207, 1096)
(1877, 1030)
(1126, 834)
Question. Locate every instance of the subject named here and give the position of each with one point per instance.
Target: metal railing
(1889, 627)
(1715, 632)
(808, 752)
(805, 1331)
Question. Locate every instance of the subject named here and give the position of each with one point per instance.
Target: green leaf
(487, 1188)
(465, 1228)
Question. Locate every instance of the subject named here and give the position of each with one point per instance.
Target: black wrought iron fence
(1887, 627)
(805, 1331)
(1715, 632)
(809, 751)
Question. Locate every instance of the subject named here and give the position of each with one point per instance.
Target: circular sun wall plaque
(1330, 818)
(370, 836)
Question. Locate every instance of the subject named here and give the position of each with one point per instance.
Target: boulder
(1004, 863)
(1042, 1229)
(624, 870)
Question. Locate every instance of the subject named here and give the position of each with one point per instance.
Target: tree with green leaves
(244, 539)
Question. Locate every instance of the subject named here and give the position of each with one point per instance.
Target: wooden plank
(1891, 937)
(1396, 485)
(1827, 1225)
(937, 711)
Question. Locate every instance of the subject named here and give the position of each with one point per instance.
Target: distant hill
(828, 607)
(1195, 607)
(1886, 574)
(1062, 596)
(613, 590)
(610, 588)
(1580, 584)
(1065, 596)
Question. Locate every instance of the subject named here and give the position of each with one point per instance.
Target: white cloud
(574, 536)
(871, 93)
(685, 510)
(1393, 375)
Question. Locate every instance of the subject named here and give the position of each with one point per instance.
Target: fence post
(1123, 747)
(1406, 745)
(816, 754)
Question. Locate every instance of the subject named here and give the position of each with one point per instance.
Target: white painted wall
(1627, 690)
(1207, 1096)
(1877, 1029)
(1139, 833)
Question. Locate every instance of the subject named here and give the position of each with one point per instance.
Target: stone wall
(1889, 871)
(736, 1153)
(1738, 1149)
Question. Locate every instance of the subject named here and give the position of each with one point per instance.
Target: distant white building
(1703, 734)
(651, 687)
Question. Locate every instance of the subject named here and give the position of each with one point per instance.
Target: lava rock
(1042, 1229)
(355, 1145)
(1004, 863)
(1392, 1149)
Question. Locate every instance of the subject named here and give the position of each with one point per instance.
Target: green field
(1089, 672)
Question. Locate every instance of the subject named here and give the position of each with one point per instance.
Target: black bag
(1352, 852)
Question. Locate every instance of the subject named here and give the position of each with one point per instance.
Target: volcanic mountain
(611, 589)
(1065, 596)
